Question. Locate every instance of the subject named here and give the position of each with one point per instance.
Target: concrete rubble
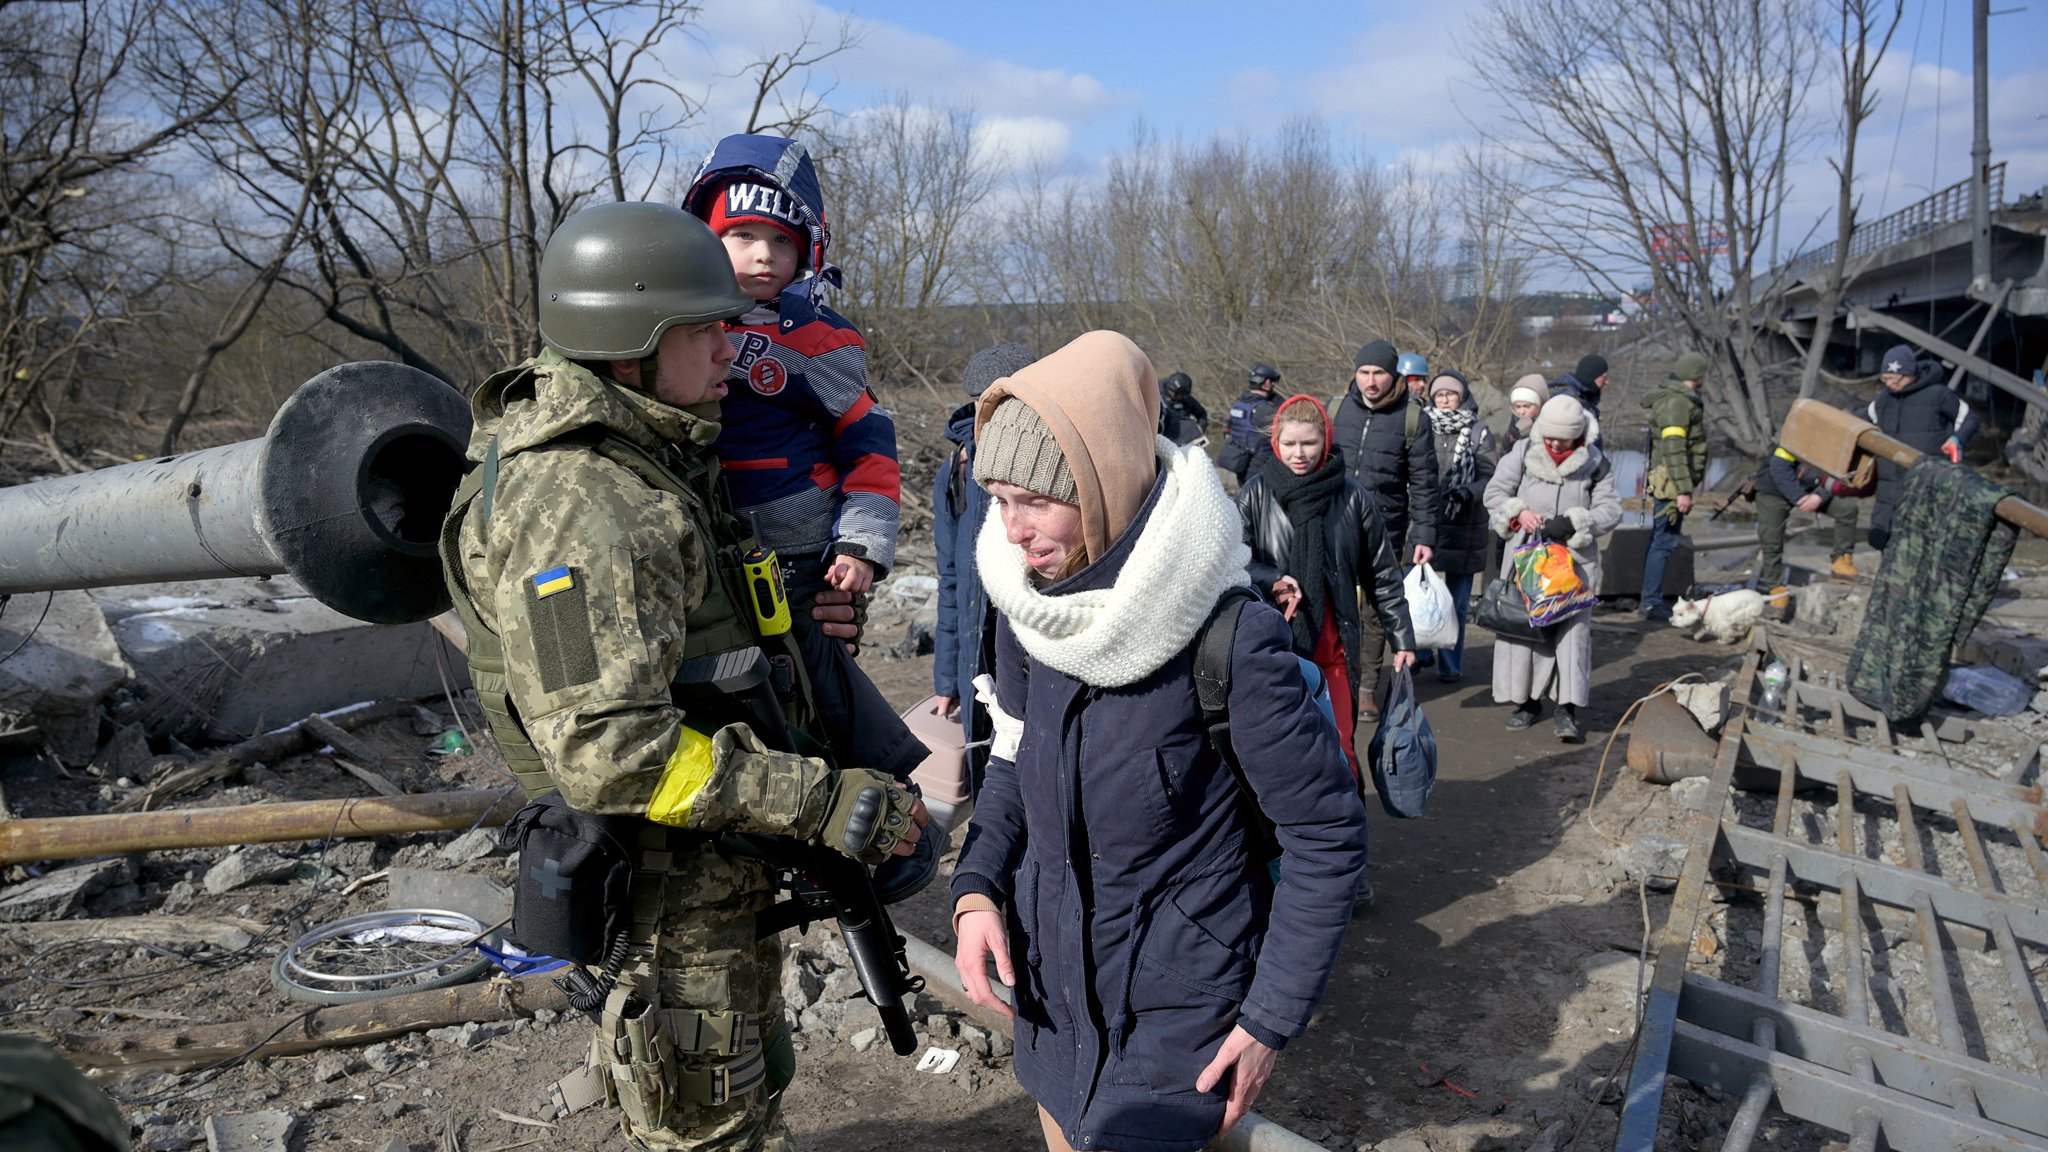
(226, 659)
(250, 1132)
(63, 891)
(68, 663)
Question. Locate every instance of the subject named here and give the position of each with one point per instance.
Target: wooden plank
(344, 1025)
(218, 931)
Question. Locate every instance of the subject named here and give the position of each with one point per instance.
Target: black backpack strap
(1212, 667)
(1212, 690)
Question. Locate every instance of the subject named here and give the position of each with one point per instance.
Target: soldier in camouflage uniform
(588, 562)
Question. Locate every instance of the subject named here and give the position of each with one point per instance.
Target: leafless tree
(785, 102)
(1653, 137)
(910, 180)
(76, 245)
(1863, 35)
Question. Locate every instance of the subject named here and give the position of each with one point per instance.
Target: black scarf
(1305, 499)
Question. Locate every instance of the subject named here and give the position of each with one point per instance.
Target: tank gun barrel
(345, 492)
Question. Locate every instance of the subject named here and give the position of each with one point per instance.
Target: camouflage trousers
(702, 972)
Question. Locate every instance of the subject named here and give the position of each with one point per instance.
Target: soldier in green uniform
(585, 556)
(1678, 465)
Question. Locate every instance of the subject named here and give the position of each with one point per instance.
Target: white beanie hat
(1562, 418)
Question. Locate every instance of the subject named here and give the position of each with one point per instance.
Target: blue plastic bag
(1403, 752)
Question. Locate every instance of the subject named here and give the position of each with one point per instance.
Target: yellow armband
(1674, 430)
(688, 770)
(1787, 457)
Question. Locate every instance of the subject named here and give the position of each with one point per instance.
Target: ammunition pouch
(654, 1062)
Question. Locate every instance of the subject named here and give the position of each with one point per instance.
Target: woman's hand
(1246, 1064)
(1529, 521)
(947, 706)
(1404, 660)
(981, 936)
(1287, 594)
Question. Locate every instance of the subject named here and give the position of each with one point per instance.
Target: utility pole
(1980, 155)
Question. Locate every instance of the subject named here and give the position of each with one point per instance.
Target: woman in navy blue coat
(1109, 871)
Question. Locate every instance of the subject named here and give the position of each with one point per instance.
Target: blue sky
(1069, 79)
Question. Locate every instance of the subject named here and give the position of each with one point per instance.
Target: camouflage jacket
(589, 575)
(1678, 440)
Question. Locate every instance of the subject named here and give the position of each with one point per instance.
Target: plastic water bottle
(1774, 678)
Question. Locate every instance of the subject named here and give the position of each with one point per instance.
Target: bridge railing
(1948, 206)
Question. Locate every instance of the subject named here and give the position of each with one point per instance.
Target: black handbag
(1503, 612)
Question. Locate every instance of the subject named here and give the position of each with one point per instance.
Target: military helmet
(1411, 364)
(1264, 373)
(616, 276)
(1178, 384)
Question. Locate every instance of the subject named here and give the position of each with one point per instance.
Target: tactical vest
(714, 632)
(1244, 430)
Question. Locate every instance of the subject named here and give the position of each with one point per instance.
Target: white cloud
(1016, 143)
(892, 60)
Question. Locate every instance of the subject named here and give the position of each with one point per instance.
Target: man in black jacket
(1385, 436)
(1917, 408)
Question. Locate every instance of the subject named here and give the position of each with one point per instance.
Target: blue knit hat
(1901, 360)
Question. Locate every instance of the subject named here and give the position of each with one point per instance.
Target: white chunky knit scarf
(1189, 551)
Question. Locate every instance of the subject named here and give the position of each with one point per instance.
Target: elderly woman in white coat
(1558, 486)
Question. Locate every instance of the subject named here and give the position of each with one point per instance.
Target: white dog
(1724, 616)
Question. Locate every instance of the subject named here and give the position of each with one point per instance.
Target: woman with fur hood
(1560, 487)
(1110, 872)
(1316, 577)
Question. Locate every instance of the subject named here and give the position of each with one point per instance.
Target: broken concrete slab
(473, 896)
(1707, 702)
(250, 1132)
(171, 1137)
(1696, 793)
(1655, 860)
(474, 844)
(60, 893)
(68, 664)
(125, 754)
(248, 866)
(2014, 653)
(228, 659)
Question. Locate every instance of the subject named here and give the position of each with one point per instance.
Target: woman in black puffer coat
(1316, 578)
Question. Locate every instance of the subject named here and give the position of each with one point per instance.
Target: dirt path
(1461, 1015)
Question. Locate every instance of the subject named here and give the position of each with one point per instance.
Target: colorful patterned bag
(1551, 581)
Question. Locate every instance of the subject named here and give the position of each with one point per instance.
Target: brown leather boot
(1844, 567)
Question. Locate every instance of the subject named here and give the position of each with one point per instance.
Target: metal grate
(1879, 967)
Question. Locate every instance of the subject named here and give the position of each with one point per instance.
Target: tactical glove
(866, 815)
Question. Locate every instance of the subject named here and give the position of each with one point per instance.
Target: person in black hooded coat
(1914, 410)
(1316, 578)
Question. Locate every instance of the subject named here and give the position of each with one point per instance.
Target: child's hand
(850, 574)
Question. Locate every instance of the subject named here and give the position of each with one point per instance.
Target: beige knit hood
(1100, 398)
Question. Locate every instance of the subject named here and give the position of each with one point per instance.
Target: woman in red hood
(1315, 577)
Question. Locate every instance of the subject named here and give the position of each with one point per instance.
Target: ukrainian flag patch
(553, 580)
